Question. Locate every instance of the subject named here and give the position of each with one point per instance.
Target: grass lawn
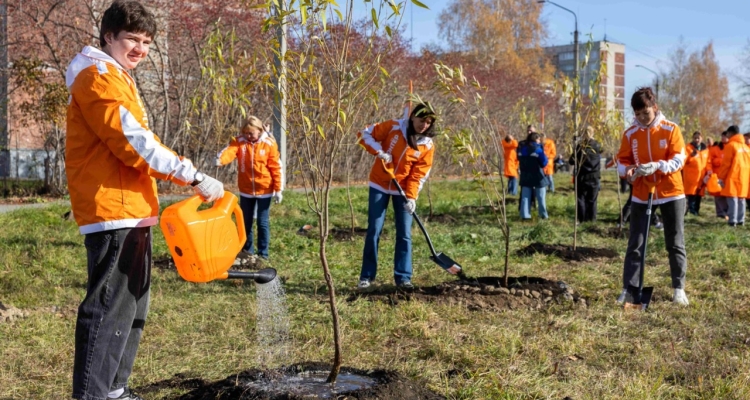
(207, 331)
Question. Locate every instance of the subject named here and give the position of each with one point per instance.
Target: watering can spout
(262, 276)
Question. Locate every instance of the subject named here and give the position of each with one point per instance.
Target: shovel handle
(416, 217)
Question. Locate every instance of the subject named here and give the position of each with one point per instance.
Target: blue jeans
(540, 201)
(378, 204)
(247, 204)
(512, 185)
(551, 180)
(111, 317)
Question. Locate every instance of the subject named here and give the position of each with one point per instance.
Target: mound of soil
(345, 234)
(484, 293)
(566, 252)
(247, 385)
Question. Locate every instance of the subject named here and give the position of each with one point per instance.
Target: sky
(650, 29)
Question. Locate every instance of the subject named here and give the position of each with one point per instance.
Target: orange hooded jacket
(111, 155)
(510, 157)
(735, 168)
(695, 169)
(659, 142)
(411, 167)
(550, 150)
(259, 172)
(715, 154)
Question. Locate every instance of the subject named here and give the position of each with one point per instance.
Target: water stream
(272, 325)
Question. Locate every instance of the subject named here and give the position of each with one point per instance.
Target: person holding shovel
(258, 177)
(111, 160)
(406, 147)
(651, 155)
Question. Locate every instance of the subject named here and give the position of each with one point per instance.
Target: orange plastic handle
(388, 170)
(240, 219)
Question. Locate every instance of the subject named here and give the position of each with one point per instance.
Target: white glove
(384, 156)
(721, 183)
(218, 162)
(277, 197)
(209, 189)
(410, 206)
(705, 179)
(646, 169)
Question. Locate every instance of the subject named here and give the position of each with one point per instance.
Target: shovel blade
(638, 301)
(446, 263)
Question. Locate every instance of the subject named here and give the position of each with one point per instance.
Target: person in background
(550, 150)
(694, 172)
(709, 142)
(747, 198)
(112, 159)
(651, 155)
(510, 163)
(259, 178)
(532, 161)
(734, 175)
(587, 161)
(406, 146)
(715, 154)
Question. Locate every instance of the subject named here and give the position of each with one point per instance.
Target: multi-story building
(612, 55)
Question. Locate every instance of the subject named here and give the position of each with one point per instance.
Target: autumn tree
(695, 92)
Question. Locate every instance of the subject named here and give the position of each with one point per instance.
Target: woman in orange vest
(715, 154)
(550, 150)
(694, 172)
(734, 175)
(406, 146)
(258, 177)
(510, 162)
(651, 155)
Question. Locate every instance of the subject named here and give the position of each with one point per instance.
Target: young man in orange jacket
(111, 160)
(734, 175)
(510, 163)
(652, 153)
(694, 172)
(405, 146)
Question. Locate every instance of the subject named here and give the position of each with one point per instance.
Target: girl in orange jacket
(510, 161)
(404, 146)
(652, 153)
(715, 154)
(550, 150)
(259, 179)
(696, 165)
(734, 175)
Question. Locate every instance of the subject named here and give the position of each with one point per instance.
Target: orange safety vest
(694, 170)
(111, 155)
(411, 167)
(510, 157)
(735, 168)
(259, 172)
(550, 150)
(659, 142)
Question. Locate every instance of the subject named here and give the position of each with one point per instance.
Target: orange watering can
(205, 243)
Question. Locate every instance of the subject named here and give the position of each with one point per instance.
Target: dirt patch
(609, 232)
(483, 293)
(346, 234)
(566, 252)
(164, 263)
(441, 219)
(263, 385)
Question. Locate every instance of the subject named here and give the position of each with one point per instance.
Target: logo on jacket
(663, 143)
(417, 154)
(262, 152)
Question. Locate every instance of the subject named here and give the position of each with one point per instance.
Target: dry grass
(599, 352)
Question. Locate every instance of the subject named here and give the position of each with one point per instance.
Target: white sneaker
(680, 297)
(363, 284)
(621, 297)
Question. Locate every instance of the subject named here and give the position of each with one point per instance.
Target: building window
(566, 56)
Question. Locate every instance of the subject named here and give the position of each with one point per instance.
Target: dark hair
(422, 110)
(129, 16)
(733, 130)
(697, 133)
(642, 98)
(533, 137)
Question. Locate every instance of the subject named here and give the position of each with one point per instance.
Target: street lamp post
(575, 53)
(657, 79)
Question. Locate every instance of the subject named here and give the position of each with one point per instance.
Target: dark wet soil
(243, 386)
(483, 293)
(566, 252)
(346, 234)
(609, 231)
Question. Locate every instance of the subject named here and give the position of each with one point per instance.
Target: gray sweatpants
(673, 215)
(736, 210)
